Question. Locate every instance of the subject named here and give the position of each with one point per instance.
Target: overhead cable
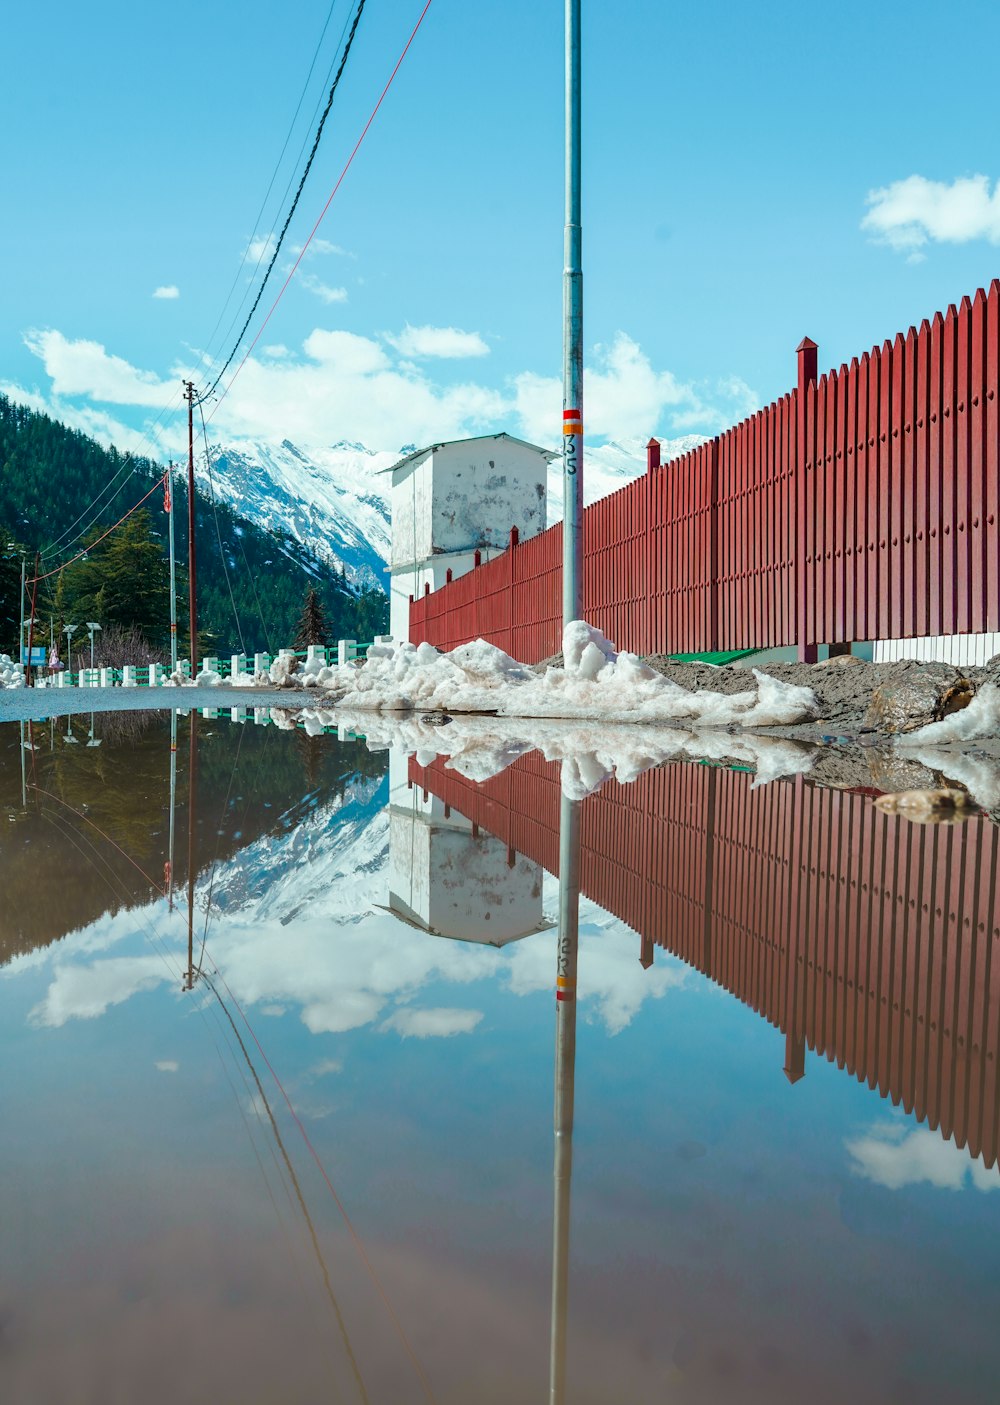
(295, 201)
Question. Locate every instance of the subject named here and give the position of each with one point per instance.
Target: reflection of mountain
(862, 937)
(95, 828)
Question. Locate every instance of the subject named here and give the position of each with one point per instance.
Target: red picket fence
(864, 505)
(872, 941)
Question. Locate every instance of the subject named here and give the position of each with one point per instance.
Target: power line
(298, 194)
(161, 480)
(319, 221)
(274, 176)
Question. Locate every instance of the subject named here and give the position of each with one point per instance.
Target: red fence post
(652, 455)
(807, 352)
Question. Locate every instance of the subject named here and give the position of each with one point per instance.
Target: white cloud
(340, 384)
(85, 992)
(444, 342)
(260, 250)
(168, 1065)
(325, 1067)
(318, 248)
(84, 367)
(894, 1157)
(909, 213)
(625, 397)
(433, 1024)
(321, 290)
(168, 292)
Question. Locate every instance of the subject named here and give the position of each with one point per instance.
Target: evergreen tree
(122, 580)
(10, 592)
(312, 627)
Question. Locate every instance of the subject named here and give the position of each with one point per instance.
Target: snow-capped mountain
(335, 500)
(330, 499)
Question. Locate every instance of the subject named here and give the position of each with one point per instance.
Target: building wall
(483, 488)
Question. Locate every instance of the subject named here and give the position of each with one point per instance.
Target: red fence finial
(807, 352)
(652, 455)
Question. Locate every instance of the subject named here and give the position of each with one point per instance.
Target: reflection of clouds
(440, 1023)
(302, 930)
(612, 984)
(893, 1157)
(84, 992)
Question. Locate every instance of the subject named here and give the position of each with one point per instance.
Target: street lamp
(69, 630)
(92, 629)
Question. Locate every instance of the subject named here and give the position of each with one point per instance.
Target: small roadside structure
(454, 500)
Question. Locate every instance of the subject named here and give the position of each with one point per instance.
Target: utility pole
(192, 582)
(169, 505)
(573, 335)
(20, 633)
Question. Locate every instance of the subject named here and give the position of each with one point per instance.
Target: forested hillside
(59, 490)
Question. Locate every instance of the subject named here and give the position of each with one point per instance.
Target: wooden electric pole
(192, 575)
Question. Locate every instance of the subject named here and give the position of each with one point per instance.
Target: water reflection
(358, 923)
(861, 937)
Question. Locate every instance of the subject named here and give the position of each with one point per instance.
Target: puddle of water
(278, 1108)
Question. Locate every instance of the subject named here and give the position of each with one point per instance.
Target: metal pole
(192, 581)
(573, 335)
(20, 636)
(173, 568)
(24, 778)
(569, 931)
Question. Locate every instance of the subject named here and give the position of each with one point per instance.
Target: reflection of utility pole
(192, 784)
(569, 932)
(24, 778)
(169, 885)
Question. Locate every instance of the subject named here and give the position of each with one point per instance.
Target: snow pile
(11, 673)
(595, 682)
(980, 775)
(208, 678)
(589, 754)
(980, 719)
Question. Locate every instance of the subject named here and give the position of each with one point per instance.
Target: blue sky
(730, 155)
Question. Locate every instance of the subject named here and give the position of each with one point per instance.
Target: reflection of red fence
(862, 506)
(870, 940)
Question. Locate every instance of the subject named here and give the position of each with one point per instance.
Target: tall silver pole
(173, 572)
(569, 932)
(573, 335)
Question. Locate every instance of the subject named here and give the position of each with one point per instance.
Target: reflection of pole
(24, 778)
(569, 921)
(173, 808)
(192, 781)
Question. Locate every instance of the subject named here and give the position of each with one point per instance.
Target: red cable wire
(160, 483)
(322, 215)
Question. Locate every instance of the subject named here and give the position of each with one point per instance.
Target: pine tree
(312, 627)
(122, 580)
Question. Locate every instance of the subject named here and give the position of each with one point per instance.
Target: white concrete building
(453, 499)
(452, 880)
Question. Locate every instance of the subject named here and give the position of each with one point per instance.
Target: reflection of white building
(452, 879)
(450, 501)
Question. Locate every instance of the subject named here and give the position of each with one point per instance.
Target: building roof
(418, 454)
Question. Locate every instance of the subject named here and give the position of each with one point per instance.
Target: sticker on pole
(572, 421)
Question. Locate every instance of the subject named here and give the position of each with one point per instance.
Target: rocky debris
(925, 693)
(927, 806)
